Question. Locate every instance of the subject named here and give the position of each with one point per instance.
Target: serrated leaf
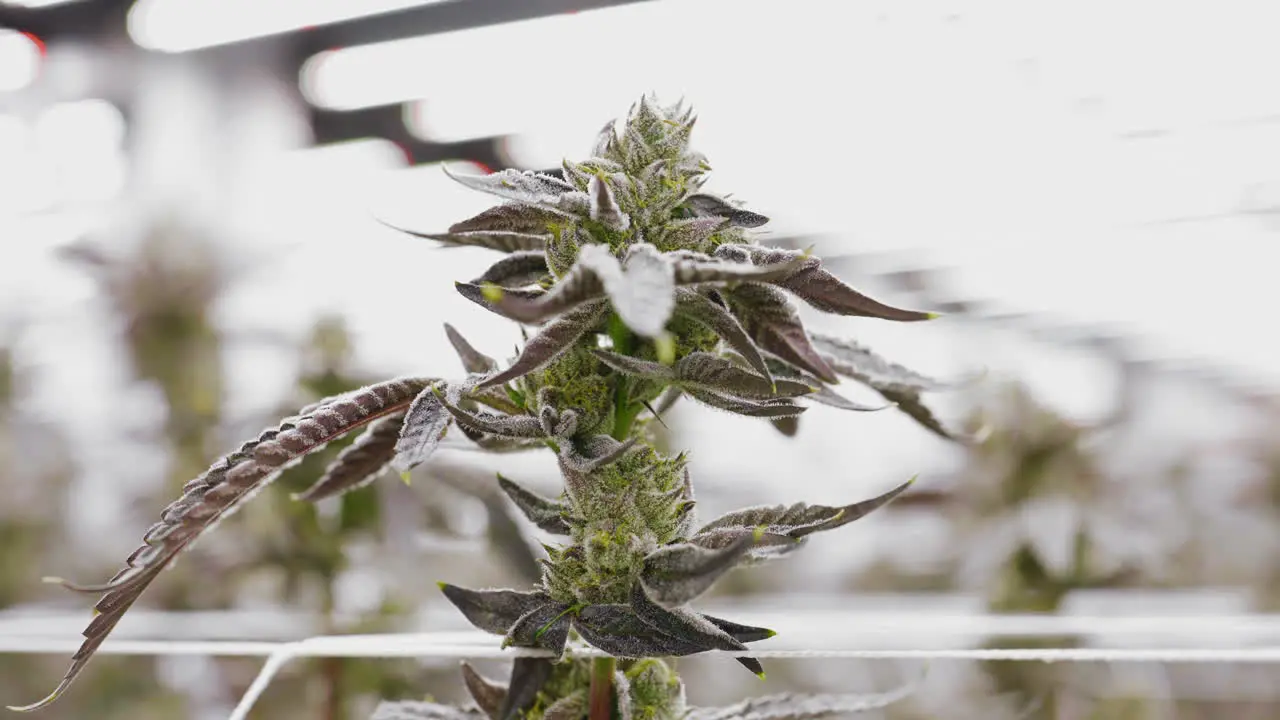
(528, 187)
(815, 285)
(794, 521)
(416, 710)
(493, 611)
(617, 630)
(711, 206)
(706, 374)
(690, 270)
(685, 624)
(512, 218)
(423, 428)
(722, 376)
(473, 361)
(691, 233)
(740, 632)
(478, 295)
(703, 310)
(604, 207)
(822, 394)
(552, 340)
(676, 574)
(788, 426)
(774, 325)
(219, 491)
(359, 463)
(545, 627)
(546, 514)
(512, 426)
(637, 367)
(515, 270)
(499, 240)
(896, 383)
(739, 406)
(488, 694)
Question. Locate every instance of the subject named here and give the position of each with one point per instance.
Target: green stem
(601, 693)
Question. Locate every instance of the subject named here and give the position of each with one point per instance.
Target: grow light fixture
(183, 25)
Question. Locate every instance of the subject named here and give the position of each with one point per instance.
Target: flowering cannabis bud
(645, 290)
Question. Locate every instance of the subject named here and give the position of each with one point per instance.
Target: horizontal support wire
(1236, 639)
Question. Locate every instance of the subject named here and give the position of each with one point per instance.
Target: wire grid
(1242, 638)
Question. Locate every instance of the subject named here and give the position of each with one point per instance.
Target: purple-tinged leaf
(606, 141)
(741, 633)
(690, 271)
(359, 463)
(723, 376)
(499, 240)
(489, 695)
(498, 444)
(703, 310)
(773, 323)
(416, 710)
(739, 406)
(579, 174)
(823, 394)
(479, 295)
(707, 373)
(637, 367)
(528, 675)
(818, 287)
(687, 625)
(691, 233)
(547, 514)
(511, 218)
(706, 205)
(513, 426)
(219, 491)
(668, 400)
(788, 426)
(896, 383)
(552, 340)
(545, 627)
(676, 574)
(473, 361)
(781, 521)
(604, 207)
(493, 611)
(617, 630)
(556, 424)
(423, 428)
(529, 187)
(515, 270)
(597, 451)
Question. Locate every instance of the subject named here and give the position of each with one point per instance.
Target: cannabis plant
(644, 289)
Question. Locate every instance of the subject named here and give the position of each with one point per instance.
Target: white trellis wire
(1180, 639)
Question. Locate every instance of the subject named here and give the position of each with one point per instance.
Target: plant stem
(601, 693)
